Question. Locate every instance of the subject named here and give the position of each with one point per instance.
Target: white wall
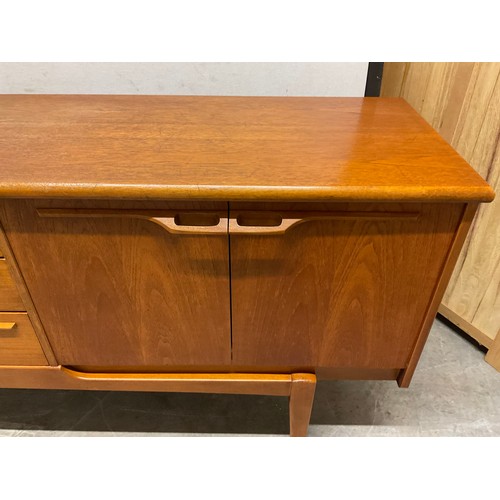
(299, 79)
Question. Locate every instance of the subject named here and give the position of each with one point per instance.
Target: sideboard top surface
(227, 148)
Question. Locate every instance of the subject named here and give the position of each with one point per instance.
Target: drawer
(9, 296)
(18, 342)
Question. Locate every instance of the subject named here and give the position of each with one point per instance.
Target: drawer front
(9, 296)
(18, 342)
(345, 286)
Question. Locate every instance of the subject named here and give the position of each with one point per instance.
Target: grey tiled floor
(454, 393)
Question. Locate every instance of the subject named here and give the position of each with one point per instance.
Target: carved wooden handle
(175, 222)
(274, 223)
(236, 227)
(213, 223)
(172, 226)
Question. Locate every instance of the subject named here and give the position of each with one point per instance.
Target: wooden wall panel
(462, 102)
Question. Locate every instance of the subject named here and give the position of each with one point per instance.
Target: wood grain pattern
(462, 102)
(301, 403)
(227, 148)
(113, 291)
(10, 299)
(19, 345)
(338, 293)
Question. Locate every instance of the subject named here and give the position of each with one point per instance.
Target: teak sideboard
(246, 245)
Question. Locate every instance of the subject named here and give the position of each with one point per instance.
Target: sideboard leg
(301, 402)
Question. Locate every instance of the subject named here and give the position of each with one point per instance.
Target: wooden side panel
(406, 375)
(338, 293)
(467, 115)
(121, 291)
(18, 342)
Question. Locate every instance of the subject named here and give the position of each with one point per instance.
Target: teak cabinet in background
(242, 245)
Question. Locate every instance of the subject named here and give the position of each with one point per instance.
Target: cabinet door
(334, 285)
(124, 284)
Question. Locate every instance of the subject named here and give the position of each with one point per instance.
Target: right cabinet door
(334, 285)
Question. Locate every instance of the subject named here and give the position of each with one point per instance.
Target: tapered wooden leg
(301, 401)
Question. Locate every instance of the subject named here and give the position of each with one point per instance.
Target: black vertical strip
(230, 283)
(374, 79)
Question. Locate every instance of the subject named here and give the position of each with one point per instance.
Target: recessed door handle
(175, 222)
(176, 226)
(240, 226)
(275, 223)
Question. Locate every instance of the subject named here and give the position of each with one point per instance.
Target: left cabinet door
(126, 285)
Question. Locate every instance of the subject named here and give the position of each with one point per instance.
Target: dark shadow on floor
(22, 409)
(142, 412)
(462, 334)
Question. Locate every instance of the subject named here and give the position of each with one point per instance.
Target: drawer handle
(240, 225)
(7, 325)
(274, 223)
(175, 222)
(175, 225)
